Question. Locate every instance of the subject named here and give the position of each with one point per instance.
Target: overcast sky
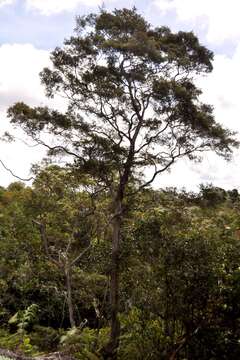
(30, 29)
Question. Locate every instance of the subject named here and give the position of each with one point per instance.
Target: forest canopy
(179, 293)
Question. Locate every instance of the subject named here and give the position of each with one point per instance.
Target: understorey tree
(64, 219)
(132, 105)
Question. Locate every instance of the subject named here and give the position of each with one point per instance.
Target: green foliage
(26, 347)
(86, 342)
(25, 319)
(45, 339)
(179, 269)
(142, 337)
(9, 341)
(18, 341)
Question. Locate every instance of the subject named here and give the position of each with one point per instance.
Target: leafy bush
(9, 341)
(85, 343)
(142, 338)
(45, 338)
(24, 320)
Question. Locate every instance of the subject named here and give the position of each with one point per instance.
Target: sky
(31, 29)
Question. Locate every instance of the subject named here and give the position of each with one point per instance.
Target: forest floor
(7, 354)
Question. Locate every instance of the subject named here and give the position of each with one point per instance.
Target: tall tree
(132, 105)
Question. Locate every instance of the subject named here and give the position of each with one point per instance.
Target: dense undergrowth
(180, 292)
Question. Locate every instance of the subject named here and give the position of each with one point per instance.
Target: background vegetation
(179, 271)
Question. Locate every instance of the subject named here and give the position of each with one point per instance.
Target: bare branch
(42, 229)
(14, 175)
(80, 255)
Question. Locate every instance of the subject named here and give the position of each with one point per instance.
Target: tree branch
(14, 175)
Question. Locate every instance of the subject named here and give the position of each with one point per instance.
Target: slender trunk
(183, 343)
(110, 351)
(69, 296)
(175, 353)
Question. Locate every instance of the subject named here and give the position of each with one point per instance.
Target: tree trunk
(69, 297)
(110, 351)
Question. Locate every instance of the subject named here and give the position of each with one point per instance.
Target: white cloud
(49, 7)
(19, 81)
(221, 16)
(221, 89)
(6, 2)
(20, 65)
(19, 73)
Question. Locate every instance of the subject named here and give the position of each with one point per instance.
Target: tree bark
(110, 351)
(69, 297)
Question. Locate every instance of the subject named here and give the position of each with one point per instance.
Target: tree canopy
(131, 97)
